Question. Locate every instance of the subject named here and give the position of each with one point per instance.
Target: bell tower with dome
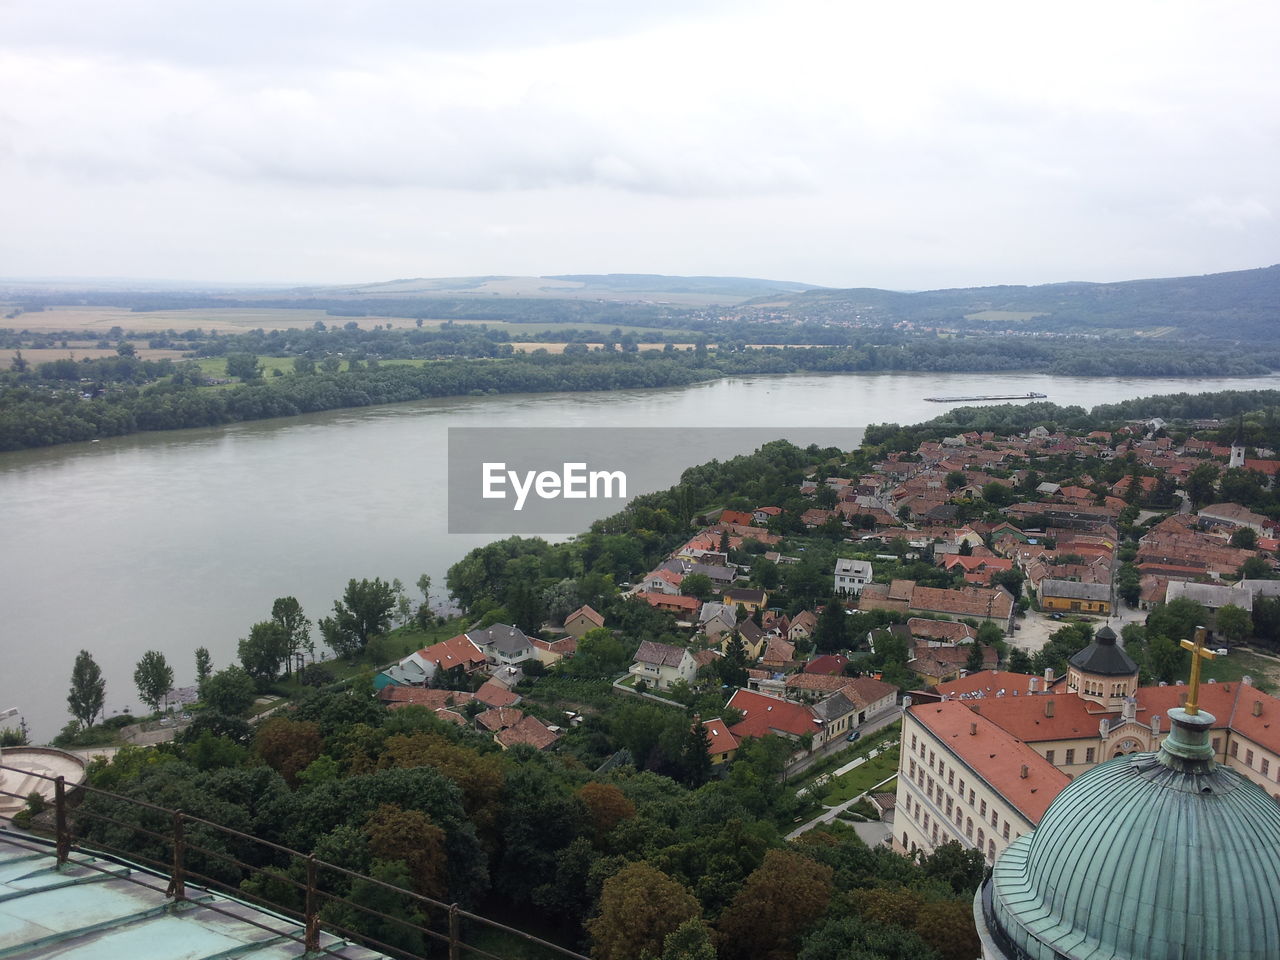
(1152, 856)
(1103, 672)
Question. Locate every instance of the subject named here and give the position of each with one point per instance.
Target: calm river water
(171, 541)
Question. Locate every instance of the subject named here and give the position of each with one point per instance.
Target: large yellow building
(1057, 729)
(1070, 596)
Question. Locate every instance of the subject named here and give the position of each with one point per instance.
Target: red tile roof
(989, 683)
(830, 664)
(423, 697)
(720, 739)
(454, 651)
(762, 715)
(495, 695)
(587, 613)
(499, 718)
(529, 730)
(996, 756)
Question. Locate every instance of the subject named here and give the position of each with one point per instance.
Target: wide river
(170, 541)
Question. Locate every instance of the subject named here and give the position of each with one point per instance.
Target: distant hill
(623, 287)
(1243, 305)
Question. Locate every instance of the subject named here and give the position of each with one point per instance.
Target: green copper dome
(1158, 856)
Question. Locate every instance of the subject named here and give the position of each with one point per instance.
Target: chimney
(1025, 772)
(1246, 679)
(1033, 685)
(1102, 727)
(1048, 676)
(906, 704)
(1048, 708)
(1155, 726)
(976, 708)
(1257, 708)
(1182, 699)
(973, 729)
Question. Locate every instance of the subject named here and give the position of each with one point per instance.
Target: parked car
(1222, 651)
(853, 736)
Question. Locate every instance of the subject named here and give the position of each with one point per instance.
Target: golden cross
(1198, 653)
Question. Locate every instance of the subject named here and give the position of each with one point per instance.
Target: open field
(98, 320)
(1003, 316)
(76, 352)
(1239, 663)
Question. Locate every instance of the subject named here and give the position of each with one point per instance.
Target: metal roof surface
(96, 909)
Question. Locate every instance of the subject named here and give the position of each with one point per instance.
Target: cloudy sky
(904, 145)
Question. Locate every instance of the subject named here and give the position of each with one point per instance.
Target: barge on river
(991, 396)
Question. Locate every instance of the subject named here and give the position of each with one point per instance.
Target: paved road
(874, 725)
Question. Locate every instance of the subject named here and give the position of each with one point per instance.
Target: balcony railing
(310, 882)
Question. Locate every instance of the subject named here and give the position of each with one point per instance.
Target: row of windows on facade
(930, 826)
(936, 795)
(1094, 689)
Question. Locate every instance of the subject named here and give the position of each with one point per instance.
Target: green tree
(1200, 484)
(690, 941)
(88, 689)
(1166, 660)
(363, 612)
(204, 665)
(1233, 623)
(1019, 661)
(1176, 619)
(286, 613)
(263, 651)
(154, 678)
(640, 907)
(780, 900)
(1244, 538)
(229, 691)
(959, 868)
(831, 634)
(1255, 568)
(974, 662)
(243, 365)
(697, 585)
(764, 573)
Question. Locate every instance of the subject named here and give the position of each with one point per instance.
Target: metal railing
(172, 851)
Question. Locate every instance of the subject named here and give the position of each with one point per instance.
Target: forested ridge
(60, 401)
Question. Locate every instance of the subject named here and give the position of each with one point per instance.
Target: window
(935, 834)
(948, 806)
(991, 850)
(913, 769)
(1006, 831)
(995, 817)
(1248, 757)
(1217, 744)
(1266, 768)
(968, 828)
(971, 796)
(951, 778)
(913, 741)
(982, 809)
(962, 786)
(1048, 755)
(1089, 754)
(931, 758)
(1235, 748)
(929, 791)
(982, 838)
(1071, 757)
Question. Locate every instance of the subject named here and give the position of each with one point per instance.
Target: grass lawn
(862, 778)
(841, 757)
(1239, 663)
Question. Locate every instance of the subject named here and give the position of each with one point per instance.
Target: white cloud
(907, 144)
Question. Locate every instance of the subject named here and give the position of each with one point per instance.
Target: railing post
(177, 882)
(453, 932)
(63, 837)
(312, 938)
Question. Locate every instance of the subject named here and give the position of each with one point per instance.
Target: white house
(660, 665)
(851, 576)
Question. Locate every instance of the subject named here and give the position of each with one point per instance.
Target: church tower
(1237, 447)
